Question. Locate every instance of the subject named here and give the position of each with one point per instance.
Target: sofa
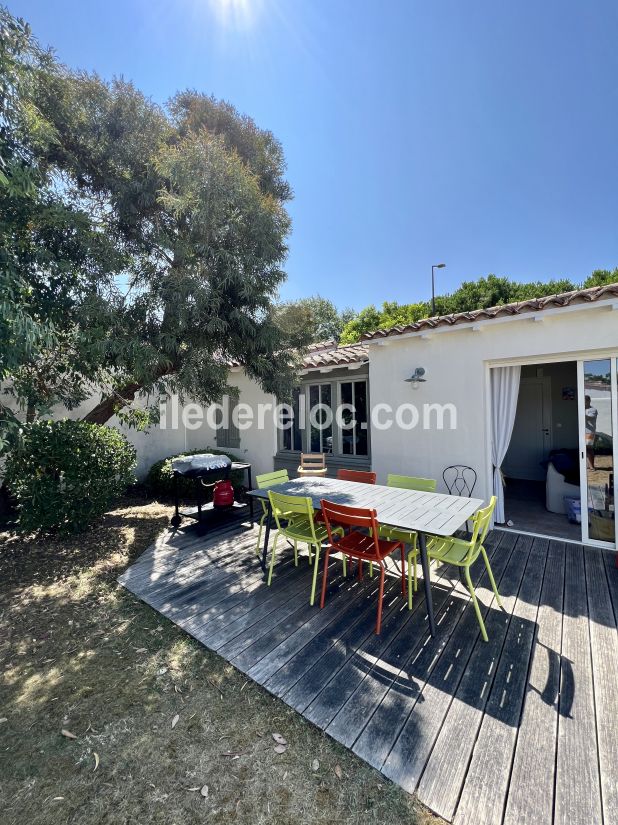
(562, 479)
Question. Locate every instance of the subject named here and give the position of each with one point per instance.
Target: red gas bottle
(223, 494)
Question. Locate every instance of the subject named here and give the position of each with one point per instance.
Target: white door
(531, 439)
(598, 439)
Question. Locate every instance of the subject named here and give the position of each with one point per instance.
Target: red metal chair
(364, 546)
(362, 476)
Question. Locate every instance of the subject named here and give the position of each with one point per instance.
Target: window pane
(347, 416)
(326, 418)
(286, 435)
(290, 418)
(360, 403)
(297, 443)
(321, 430)
(314, 400)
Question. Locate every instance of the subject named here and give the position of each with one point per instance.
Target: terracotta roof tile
(576, 296)
(327, 354)
(331, 355)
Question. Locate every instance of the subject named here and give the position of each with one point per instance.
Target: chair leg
(477, 609)
(344, 559)
(415, 573)
(295, 553)
(491, 576)
(380, 597)
(371, 570)
(403, 571)
(272, 559)
(316, 566)
(325, 577)
(410, 581)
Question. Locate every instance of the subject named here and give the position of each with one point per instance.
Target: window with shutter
(228, 435)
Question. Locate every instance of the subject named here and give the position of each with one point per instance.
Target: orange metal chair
(365, 546)
(362, 476)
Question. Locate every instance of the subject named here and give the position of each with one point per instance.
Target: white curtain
(504, 393)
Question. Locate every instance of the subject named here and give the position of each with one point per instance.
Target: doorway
(542, 465)
(559, 467)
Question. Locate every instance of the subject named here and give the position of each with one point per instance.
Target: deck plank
(372, 686)
(486, 783)
(604, 645)
(531, 793)
(317, 627)
(460, 721)
(442, 665)
(454, 741)
(436, 673)
(578, 790)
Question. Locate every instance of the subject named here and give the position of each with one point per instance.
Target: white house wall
(158, 442)
(256, 446)
(456, 361)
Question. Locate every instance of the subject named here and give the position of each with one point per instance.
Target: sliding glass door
(598, 428)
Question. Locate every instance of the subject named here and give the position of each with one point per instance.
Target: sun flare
(236, 12)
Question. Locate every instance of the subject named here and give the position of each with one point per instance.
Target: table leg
(422, 546)
(266, 536)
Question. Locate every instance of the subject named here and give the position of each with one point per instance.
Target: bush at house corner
(64, 474)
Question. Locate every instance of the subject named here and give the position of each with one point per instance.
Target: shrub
(66, 473)
(160, 478)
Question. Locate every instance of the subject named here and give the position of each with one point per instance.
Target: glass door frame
(583, 468)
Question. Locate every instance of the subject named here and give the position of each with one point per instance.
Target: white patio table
(426, 513)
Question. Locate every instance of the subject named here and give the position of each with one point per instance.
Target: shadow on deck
(522, 729)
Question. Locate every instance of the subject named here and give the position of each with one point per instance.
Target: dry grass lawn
(160, 730)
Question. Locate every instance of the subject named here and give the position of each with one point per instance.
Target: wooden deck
(522, 729)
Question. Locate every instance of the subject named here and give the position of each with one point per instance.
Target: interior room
(541, 468)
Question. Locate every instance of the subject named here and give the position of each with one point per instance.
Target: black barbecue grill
(205, 469)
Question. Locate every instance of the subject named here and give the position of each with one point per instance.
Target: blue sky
(480, 133)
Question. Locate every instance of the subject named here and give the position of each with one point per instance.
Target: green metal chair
(263, 482)
(463, 553)
(408, 537)
(294, 519)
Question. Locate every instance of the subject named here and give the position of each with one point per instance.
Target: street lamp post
(433, 287)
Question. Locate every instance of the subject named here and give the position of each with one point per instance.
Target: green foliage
(485, 292)
(316, 317)
(141, 246)
(160, 478)
(367, 320)
(193, 196)
(601, 277)
(67, 473)
(49, 249)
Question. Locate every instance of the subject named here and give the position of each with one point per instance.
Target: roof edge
(557, 301)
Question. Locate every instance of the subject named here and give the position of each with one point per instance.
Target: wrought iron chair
(460, 480)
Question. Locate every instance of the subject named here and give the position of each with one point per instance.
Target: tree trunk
(109, 405)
